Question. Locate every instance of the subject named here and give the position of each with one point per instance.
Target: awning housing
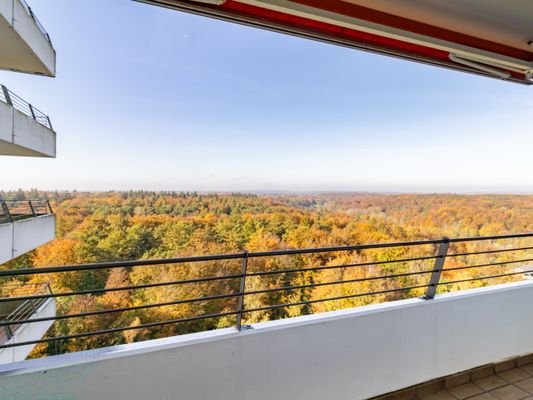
(488, 37)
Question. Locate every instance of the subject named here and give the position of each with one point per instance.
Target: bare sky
(148, 98)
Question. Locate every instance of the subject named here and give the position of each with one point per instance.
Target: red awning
(488, 37)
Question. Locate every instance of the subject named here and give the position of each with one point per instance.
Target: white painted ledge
(345, 355)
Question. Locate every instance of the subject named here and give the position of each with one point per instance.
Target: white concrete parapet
(25, 46)
(22, 135)
(345, 355)
(19, 237)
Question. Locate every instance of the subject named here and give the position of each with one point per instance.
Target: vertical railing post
(49, 123)
(442, 252)
(32, 112)
(49, 206)
(31, 208)
(33, 307)
(242, 287)
(9, 332)
(7, 96)
(5, 209)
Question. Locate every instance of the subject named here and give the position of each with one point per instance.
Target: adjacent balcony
(24, 226)
(406, 313)
(13, 313)
(24, 129)
(25, 45)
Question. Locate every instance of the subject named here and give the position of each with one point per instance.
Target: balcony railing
(36, 20)
(24, 309)
(10, 98)
(16, 210)
(241, 288)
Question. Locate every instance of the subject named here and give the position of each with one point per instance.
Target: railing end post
(440, 259)
(242, 287)
(7, 96)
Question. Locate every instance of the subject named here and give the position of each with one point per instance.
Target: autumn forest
(116, 226)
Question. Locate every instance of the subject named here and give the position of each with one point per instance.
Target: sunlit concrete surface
(19, 237)
(24, 45)
(22, 135)
(345, 355)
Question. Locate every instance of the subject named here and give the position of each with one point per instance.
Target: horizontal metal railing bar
(218, 297)
(40, 26)
(125, 309)
(25, 200)
(121, 288)
(493, 237)
(21, 310)
(343, 248)
(24, 107)
(324, 267)
(305, 302)
(25, 305)
(118, 264)
(484, 277)
(494, 264)
(24, 312)
(185, 301)
(120, 329)
(206, 279)
(387, 245)
(134, 263)
(331, 283)
(141, 263)
(490, 251)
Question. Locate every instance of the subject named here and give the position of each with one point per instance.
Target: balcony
(16, 311)
(25, 45)
(24, 130)
(24, 226)
(422, 320)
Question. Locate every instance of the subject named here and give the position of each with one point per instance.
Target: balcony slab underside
(21, 135)
(19, 237)
(343, 355)
(24, 47)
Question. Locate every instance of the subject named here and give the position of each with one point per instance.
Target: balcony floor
(509, 380)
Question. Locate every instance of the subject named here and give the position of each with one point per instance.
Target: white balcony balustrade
(25, 45)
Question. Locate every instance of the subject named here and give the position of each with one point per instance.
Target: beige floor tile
(509, 392)
(528, 368)
(491, 382)
(484, 396)
(526, 385)
(513, 375)
(465, 391)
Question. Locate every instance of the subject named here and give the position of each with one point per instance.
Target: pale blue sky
(148, 98)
